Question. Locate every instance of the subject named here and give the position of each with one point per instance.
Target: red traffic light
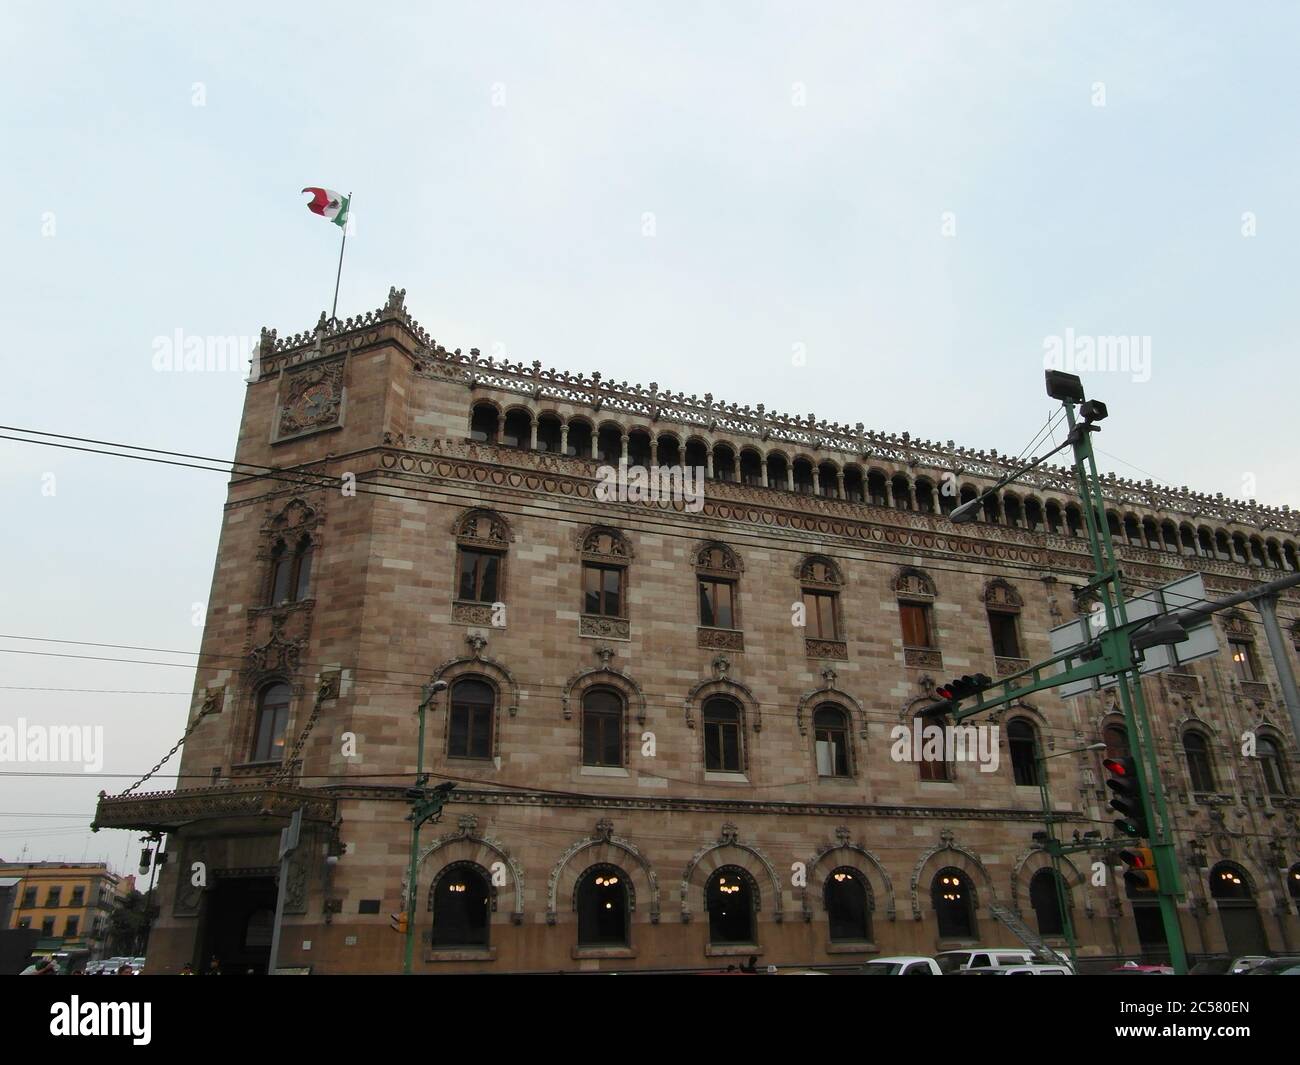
(1118, 766)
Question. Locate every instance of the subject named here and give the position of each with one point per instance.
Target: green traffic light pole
(1110, 655)
(430, 690)
(1116, 647)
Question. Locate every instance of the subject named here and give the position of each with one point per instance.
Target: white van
(953, 961)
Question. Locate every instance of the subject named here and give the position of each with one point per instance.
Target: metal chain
(208, 708)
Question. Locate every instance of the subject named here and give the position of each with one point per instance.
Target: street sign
(1182, 594)
(290, 836)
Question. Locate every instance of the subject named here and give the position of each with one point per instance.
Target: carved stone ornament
(312, 398)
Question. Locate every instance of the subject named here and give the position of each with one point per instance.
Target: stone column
(839, 484)
(564, 438)
(708, 463)
(889, 492)
(817, 481)
(532, 445)
(789, 476)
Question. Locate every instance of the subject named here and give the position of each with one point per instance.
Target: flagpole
(338, 276)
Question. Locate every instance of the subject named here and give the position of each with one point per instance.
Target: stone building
(657, 767)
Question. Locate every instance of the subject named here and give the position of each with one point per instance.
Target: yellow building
(70, 902)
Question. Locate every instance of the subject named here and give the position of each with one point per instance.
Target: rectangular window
(78, 896)
(47, 927)
(602, 588)
(70, 926)
(832, 753)
(716, 604)
(917, 631)
(819, 615)
(29, 897)
(722, 746)
(1243, 659)
(602, 742)
(55, 897)
(476, 580)
(1006, 641)
(471, 732)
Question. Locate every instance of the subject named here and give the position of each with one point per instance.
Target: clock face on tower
(313, 404)
(313, 400)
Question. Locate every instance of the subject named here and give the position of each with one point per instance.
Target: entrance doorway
(237, 925)
(1242, 931)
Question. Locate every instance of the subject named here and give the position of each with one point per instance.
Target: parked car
(1287, 966)
(1225, 964)
(1034, 970)
(906, 965)
(951, 961)
(1132, 968)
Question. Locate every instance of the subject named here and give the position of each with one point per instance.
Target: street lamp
(421, 778)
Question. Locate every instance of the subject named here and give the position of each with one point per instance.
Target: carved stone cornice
(166, 811)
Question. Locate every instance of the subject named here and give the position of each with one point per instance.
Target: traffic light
(964, 687)
(1127, 800)
(951, 694)
(427, 802)
(397, 922)
(1141, 872)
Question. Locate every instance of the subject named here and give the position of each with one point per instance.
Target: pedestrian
(214, 967)
(187, 969)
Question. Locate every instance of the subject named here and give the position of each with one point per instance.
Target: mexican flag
(329, 204)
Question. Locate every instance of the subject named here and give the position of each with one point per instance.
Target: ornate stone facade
(453, 451)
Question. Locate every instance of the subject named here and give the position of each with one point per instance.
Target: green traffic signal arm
(1011, 691)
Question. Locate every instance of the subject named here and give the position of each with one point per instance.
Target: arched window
(697, 457)
(483, 423)
(876, 482)
(578, 439)
(828, 480)
(482, 537)
(1271, 762)
(803, 476)
(550, 431)
(778, 471)
(461, 902)
(730, 898)
(1045, 899)
(831, 728)
(916, 595)
(1053, 516)
(668, 451)
(638, 448)
(272, 719)
(1199, 765)
(1073, 520)
(1115, 736)
(751, 467)
(924, 496)
(854, 489)
(290, 571)
(723, 736)
(847, 897)
(1004, 604)
(518, 429)
(952, 895)
(470, 725)
(605, 558)
(821, 580)
(1021, 738)
(724, 463)
(609, 444)
(902, 491)
(602, 728)
(717, 579)
(602, 903)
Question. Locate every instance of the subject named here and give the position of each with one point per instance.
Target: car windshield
(950, 962)
(881, 968)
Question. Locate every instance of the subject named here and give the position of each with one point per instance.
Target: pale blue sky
(518, 229)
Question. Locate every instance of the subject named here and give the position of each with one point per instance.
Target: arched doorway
(1045, 899)
(1243, 933)
(847, 897)
(602, 904)
(729, 897)
(461, 902)
(953, 897)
